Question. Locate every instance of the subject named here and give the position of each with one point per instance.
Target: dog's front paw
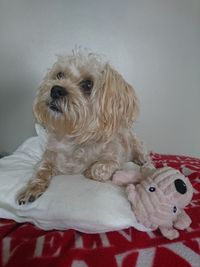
(143, 160)
(30, 193)
(101, 170)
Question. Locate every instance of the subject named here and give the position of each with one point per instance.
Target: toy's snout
(185, 191)
(180, 186)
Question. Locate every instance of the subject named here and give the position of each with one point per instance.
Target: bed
(23, 244)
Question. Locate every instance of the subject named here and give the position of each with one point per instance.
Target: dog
(88, 111)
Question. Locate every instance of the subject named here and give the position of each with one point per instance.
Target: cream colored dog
(88, 110)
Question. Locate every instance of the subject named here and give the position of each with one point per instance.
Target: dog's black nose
(58, 91)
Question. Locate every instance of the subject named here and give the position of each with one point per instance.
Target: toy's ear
(131, 193)
(126, 177)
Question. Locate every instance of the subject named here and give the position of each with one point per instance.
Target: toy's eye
(180, 186)
(174, 209)
(152, 189)
(60, 75)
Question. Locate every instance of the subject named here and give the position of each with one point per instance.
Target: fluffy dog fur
(89, 124)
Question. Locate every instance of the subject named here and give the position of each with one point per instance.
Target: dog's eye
(60, 75)
(86, 86)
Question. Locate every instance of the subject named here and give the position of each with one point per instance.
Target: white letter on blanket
(6, 250)
(145, 257)
(185, 252)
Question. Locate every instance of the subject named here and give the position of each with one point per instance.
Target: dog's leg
(139, 152)
(102, 170)
(38, 185)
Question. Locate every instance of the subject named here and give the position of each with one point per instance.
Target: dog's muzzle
(57, 93)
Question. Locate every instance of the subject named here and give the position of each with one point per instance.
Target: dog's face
(84, 98)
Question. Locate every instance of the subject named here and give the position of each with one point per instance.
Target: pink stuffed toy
(158, 198)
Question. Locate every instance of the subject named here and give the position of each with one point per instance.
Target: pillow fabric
(71, 201)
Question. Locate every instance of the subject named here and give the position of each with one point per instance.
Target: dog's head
(85, 98)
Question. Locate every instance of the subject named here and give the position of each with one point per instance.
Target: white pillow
(71, 201)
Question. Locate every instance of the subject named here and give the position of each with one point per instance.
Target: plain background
(154, 44)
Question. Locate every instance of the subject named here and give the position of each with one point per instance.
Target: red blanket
(25, 245)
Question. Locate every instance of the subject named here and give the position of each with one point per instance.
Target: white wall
(155, 44)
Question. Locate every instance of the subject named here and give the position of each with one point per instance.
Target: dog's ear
(118, 102)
